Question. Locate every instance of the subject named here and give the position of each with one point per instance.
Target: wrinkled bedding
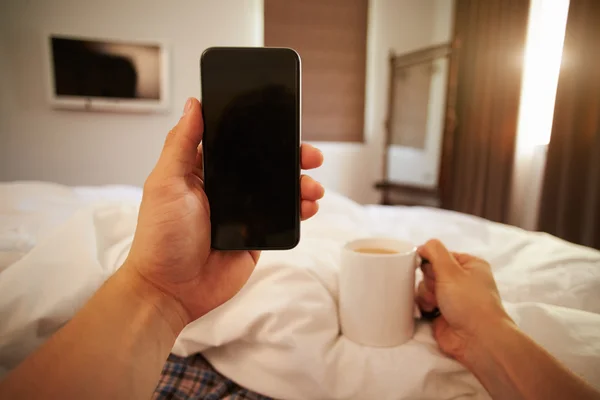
(280, 335)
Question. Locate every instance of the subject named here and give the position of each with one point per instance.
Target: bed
(280, 335)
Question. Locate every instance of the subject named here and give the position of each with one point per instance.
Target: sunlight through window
(543, 55)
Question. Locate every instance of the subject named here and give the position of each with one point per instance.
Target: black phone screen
(251, 146)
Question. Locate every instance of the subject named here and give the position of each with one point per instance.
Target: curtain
(570, 202)
(331, 38)
(482, 106)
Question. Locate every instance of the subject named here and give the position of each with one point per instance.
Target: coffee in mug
(377, 289)
(375, 250)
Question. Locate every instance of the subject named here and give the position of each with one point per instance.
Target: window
(331, 38)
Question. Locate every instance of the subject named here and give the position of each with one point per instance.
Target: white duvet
(279, 335)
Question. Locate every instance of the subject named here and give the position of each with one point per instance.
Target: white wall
(77, 148)
(401, 26)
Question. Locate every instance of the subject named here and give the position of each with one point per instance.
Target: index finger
(442, 262)
(311, 157)
(463, 258)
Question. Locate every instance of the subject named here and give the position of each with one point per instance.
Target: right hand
(464, 290)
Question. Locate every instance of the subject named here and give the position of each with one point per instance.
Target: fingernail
(188, 106)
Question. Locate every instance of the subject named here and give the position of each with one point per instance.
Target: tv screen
(104, 71)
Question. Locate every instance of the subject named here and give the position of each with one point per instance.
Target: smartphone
(251, 146)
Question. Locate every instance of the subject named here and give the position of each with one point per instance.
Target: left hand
(171, 248)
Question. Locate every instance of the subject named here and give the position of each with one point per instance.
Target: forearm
(113, 348)
(510, 365)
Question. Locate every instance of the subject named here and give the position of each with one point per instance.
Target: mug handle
(433, 314)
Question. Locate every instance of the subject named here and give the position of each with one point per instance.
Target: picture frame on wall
(102, 74)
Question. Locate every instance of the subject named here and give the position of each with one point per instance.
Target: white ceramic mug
(377, 306)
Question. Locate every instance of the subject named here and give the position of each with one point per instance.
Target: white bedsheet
(279, 335)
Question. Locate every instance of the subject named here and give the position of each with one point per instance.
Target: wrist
(157, 302)
(481, 350)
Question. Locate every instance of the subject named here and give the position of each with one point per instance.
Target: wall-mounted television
(106, 74)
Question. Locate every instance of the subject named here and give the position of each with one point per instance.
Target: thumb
(178, 156)
(442, 262)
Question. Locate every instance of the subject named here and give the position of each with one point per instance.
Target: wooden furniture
(406, 122)
(407, 195)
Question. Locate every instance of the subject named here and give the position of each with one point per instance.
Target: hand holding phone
(171, 248)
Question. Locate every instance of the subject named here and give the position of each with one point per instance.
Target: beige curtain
(331, 38)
